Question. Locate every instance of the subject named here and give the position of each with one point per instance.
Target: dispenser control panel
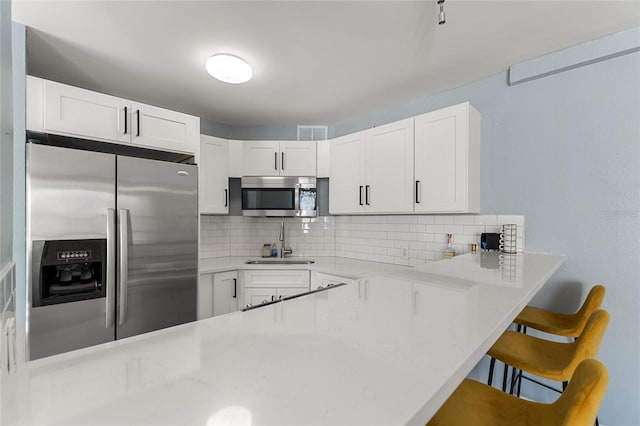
(74, 255)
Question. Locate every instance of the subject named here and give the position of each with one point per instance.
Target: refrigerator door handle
(111, 262)
(123, 264)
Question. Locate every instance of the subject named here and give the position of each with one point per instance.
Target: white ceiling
(315, 62)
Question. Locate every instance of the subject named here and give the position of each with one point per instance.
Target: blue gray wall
(248, 133)
(564, 151)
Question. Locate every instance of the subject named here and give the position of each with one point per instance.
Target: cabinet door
(346, 182)
(298, 158)
(320, 279)
(85, 114)
(389, 169)
(258, 296)
(235, 159)
(163, 129)
(261, 158)
(225, 293)
(443, 166)
(214, 175)
(205, 296)
(290, 291)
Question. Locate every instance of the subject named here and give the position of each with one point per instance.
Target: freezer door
(69, 192)
(158, 240)
(71, 195)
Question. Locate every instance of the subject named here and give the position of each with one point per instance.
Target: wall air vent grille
(312, 133)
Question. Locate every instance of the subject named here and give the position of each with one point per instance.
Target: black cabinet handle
(126, 115)
(226, 198)
(282, 161)
(235, 288)
(275, 160)
(138, 122)
(417, 191)
(360, 193)
(366, 194)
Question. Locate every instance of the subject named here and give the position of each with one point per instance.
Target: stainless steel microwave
(279, 196)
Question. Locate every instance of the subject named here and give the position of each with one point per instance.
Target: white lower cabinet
(322, 280)
(260, 295)
(262, 286)
(225, 293)
(217, 294)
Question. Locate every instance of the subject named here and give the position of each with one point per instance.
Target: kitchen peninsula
(386, 349)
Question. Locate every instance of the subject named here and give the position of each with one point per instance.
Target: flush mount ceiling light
(229, 68)
(441, 18)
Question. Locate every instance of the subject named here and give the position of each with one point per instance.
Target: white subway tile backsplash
(443, 220)
(401, 239)
(485, 220)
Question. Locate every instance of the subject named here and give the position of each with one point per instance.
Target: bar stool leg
(519, 383)
(505, 374)
(491, 365)
(514, 378)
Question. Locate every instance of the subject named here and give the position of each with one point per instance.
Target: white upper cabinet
(447, 160)
(389, 168)
(372, 170)
(261, 158)
(235, 159)
(70, 111)
(273, 158)
(214, 175)
(323, 161)
(298, 158)
(160, 128)
(347, 174)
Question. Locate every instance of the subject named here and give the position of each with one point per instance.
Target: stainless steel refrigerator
(113, 247)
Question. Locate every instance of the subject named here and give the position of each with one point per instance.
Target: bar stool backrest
(592, 302)
(579, 403)
(588, 344)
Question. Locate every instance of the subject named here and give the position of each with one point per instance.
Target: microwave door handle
(296, 200)
(111, 263)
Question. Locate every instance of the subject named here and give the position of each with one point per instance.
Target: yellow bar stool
(550, 360)
(477, 404)
(561, 324)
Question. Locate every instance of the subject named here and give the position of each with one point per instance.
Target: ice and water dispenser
(68, 271)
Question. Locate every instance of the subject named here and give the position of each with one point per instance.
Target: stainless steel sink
(281, 262)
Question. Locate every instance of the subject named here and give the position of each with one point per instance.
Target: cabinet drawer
(320, 279)
(276, 279)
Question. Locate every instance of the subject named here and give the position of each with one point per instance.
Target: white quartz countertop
(385, 350)
(349, 268)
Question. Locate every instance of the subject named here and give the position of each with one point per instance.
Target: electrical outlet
(405, 252)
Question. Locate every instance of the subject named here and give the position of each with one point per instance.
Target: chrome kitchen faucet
(284, 251)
